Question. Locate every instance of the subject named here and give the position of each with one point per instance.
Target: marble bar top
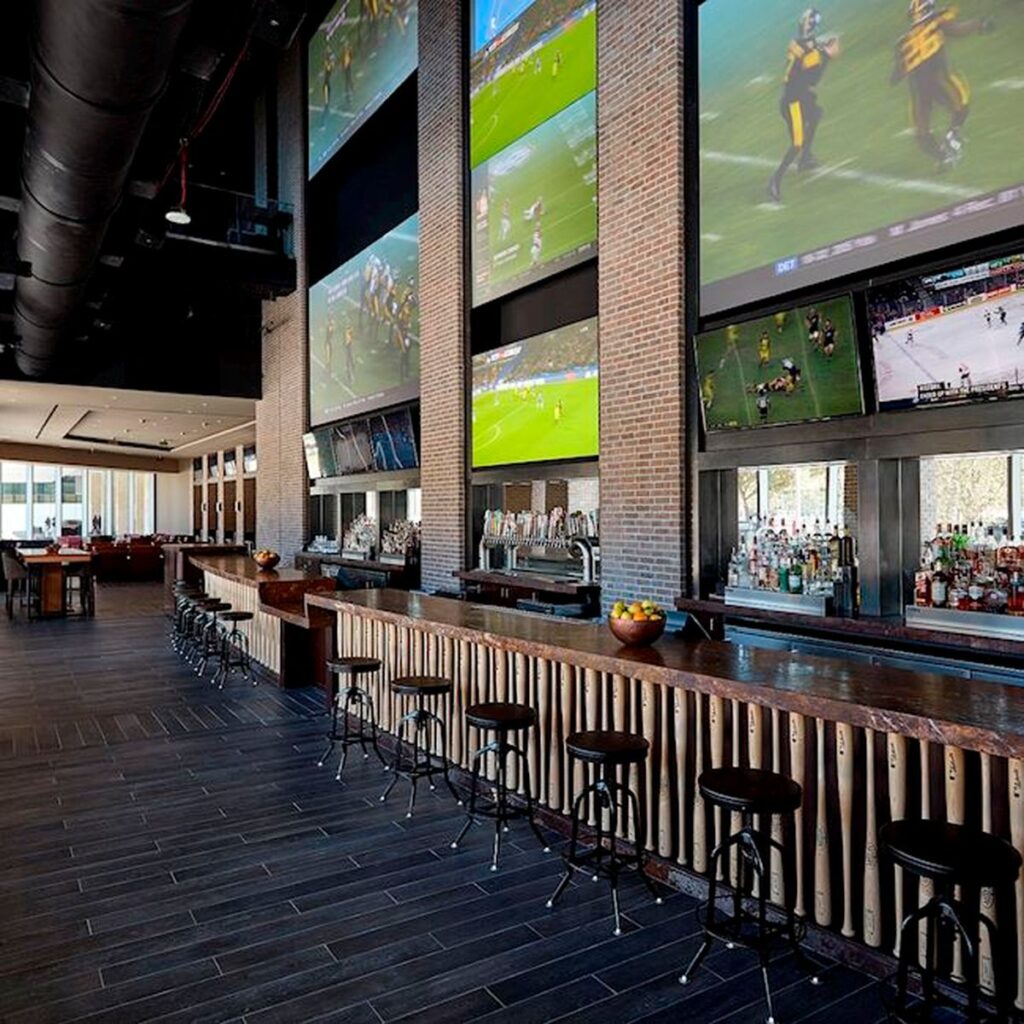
(986, 717)
(280, 591)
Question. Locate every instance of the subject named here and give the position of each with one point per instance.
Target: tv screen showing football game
(361, 52)
(535, 204)
(955, 336)
(394, 441)
(841, 136)
(537, 399)
(364, 350)
(537, 64)
(790, 367)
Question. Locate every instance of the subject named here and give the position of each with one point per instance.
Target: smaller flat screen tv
(536, 400)
(353, 449)
(319, 454)
(793, 366)
(394, 441)
(950, 337)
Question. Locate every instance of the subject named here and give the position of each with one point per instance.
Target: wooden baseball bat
(588, 717)
(735, 821)
(872, 882)
(797, 771)
(635, 720)
(648, 698)
(550, 780)
(573, 780)
(822, 882)
(755, 753)
(926, 887)
(664, 776)
(955, 810)
(700, 826)
(1015, 767)
(716, 725)
(844, 765)
(896, 758)
(986, 969)
(682, 738)
(778, 884)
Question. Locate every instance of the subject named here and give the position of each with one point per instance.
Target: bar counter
(866, 743)
(289, 643)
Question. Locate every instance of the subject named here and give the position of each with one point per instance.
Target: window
(802, 494)
(249, 459)
(72, 502)
(44, 501)
(14, 500)
(230, 460)
(142, 503)
(963, 490)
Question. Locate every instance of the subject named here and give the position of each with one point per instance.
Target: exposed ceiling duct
(98, 69)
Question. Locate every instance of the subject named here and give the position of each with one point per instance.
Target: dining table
(48, 575)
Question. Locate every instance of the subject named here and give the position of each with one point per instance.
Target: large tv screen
(790, 367)
(394, 440)
(536, 400)
(537, 64)
(858, 134)
(364, 322)
(954, 336)
(358, 56)
(535, 204)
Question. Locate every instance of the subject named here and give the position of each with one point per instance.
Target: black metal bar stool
(953, 855)
(503, 719)
(189, 611)
(749, 792)
(349, 698)
(208, 640)
(422, 764)
(607, 751)
(234, 648)
(183, 591)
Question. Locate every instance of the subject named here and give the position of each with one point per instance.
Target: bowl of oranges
(636, 623)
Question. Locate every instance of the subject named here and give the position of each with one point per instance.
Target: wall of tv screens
(537, 399)
(950, 337)
(793, 366)
(364, 329)
(863, 134)
(358, 56)
(381, 443)
(533, 141)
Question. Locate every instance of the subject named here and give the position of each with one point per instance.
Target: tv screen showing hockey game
(364, 350)
(538, 63)
(955, 336)
(358, 56)
(790, 367)
(841, 136)
(394, 441)
(535, 204)
(537, 399)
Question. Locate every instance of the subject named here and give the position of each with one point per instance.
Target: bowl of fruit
(266, 559)
(636, 623)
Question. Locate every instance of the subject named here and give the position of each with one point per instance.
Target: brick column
(442, 129)
(640, 275)
(282, 487)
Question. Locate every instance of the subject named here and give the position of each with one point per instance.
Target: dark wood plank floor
(172, 852)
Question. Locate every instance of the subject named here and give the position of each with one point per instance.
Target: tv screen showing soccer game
(842, 136)
(535, 204)
(537, 64)
(358, 56)
(536, 400)
(790, 367)
(364, 350)
(394, 441)
(319, 454)
(353, 449)
(955, 336)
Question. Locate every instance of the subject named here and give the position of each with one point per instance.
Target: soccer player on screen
(921, 60)
(707, 390)
(346, 68)
(764, 403)
(828, 338)
(814, 326)
(806, 60)
(764, 349)
(328, 69)
(780, 321)
(558, 411)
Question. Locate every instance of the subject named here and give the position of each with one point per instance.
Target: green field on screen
(829, 386)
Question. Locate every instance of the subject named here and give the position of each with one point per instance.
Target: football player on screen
(806, 60)
(921, 60)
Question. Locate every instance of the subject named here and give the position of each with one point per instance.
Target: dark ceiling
(174, 308)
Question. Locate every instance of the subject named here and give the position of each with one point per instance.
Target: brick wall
(640, 274)
(442, 128)
(281, 415)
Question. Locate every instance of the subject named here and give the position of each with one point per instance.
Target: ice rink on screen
(944, 345)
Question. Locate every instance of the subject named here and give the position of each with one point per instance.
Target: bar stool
(209, 632)
(183, 591)
(190, 617)
(750, 792)
(350, 696)
(607, 750)
(503, 719)
(953, 855)
(234, 648)
(422, 764)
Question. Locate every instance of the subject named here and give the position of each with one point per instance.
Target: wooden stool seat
(945, 852)
(751, 790)
(501, 716)
(608, 747)
(353, 666)
(428, 686)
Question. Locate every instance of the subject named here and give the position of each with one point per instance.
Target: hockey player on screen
(806, 60)
(921, 60)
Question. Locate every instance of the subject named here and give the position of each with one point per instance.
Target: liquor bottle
(939, 587)
(796, 579)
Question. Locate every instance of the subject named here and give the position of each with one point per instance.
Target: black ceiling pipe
(98, 69)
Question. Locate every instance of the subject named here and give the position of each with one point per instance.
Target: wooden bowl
(267, 562)
(636, 634)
